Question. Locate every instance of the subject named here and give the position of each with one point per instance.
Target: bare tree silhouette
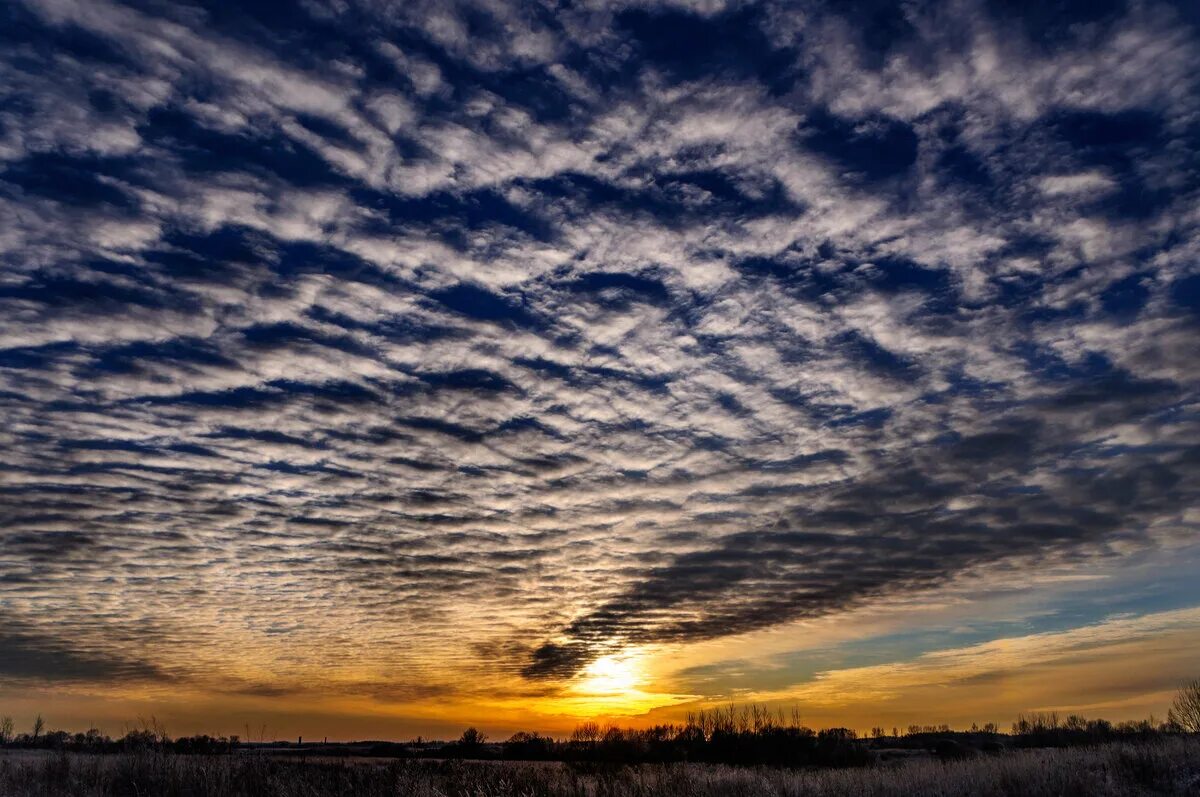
(587, 732)
(1185, 709)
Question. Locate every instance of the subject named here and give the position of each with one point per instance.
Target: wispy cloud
(487, 338)
(1122, 664)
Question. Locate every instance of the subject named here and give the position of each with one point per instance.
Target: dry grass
(1169, 766)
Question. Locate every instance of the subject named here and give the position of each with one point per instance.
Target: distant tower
(299, 740)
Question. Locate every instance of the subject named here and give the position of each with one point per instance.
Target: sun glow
(617, 685)
(612, 675)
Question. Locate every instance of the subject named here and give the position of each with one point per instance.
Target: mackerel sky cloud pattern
(492, 338)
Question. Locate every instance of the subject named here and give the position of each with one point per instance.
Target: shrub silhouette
(524, 746)
(471, 738)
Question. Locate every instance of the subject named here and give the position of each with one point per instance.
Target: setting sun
(616, 685)
(612, 675)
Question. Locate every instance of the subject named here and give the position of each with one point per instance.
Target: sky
(371, 369)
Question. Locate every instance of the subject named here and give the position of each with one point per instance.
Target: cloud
(1084, 182)
(33, 657)
(1123, 665)
(433, 330)
(1095, 652)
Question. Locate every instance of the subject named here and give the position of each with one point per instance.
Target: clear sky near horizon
(371, 368)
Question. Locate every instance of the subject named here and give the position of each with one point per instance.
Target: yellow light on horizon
(617, 685)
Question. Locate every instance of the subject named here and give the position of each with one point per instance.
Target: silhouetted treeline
(148, 736)
(94, 742)
(752, 736)
(1048, 730)
(747, 736)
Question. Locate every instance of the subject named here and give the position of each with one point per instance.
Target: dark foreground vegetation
(1168, 766)
(729, 751)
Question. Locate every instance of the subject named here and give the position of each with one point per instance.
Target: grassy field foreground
(1169, 766)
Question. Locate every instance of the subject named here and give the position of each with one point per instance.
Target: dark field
(1165, 766)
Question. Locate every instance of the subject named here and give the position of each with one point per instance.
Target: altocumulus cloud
(489, 337)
